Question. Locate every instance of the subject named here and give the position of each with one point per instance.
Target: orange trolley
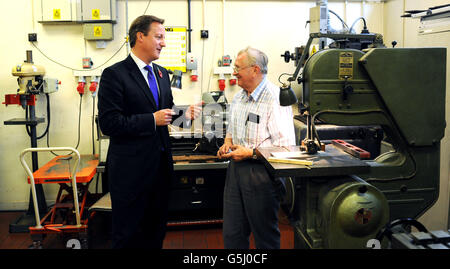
(77, 170)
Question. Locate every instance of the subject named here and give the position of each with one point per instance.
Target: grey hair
(256, 57)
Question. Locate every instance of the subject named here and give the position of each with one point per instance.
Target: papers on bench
(290, 157)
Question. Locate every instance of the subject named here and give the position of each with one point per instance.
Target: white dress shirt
(141, 65)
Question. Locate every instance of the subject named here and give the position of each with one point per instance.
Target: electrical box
(87, 62)
(51, 85)
(318, 19)
(318, 23)
(78, 11)
(191, 62)
(60, 11)
(99, 10)
(226, 60)
(98, 31)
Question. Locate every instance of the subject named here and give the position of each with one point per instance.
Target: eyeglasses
(238, 69)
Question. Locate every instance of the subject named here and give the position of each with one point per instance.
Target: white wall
(272, 26)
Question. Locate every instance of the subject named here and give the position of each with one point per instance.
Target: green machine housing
(403, 91)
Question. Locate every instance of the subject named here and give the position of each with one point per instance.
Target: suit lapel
(162, 84)
(136, 74)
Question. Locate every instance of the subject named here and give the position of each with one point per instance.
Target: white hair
(256, 57)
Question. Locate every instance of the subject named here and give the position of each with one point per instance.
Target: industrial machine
(197, 194)
(31, 82)
(341, 201)
(30, 76)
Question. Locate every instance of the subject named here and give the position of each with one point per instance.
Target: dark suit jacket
(125, 108)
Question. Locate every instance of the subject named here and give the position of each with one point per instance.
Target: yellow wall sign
(97, 31)
(173, 56)
(96, 14)
(56, 14)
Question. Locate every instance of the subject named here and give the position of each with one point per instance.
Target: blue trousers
(251, 203)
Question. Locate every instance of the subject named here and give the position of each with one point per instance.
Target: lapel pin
(160, 73)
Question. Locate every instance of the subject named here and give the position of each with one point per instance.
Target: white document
(288, 154)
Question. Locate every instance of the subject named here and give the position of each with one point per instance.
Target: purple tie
(152, 84)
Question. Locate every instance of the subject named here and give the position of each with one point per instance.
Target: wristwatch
(254, 157)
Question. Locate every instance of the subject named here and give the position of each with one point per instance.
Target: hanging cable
(148, 4)
(28, 116)
(342, 21)
(79, 121)
(365, 25)
(212, 64)
(79, 128)
(48, 133)
(93, 124)
(74, 69)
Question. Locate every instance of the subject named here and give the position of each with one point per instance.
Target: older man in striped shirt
(251, 195)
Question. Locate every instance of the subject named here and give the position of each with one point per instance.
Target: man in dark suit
(135, 106)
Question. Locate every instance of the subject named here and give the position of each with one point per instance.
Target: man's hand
(238, 153)
(224, 149)
(163, 117)
(194, 111)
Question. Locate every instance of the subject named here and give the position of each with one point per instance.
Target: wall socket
(204, 33)
(32, 37)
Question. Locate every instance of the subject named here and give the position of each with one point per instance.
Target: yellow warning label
(96, 14)
(97, 31)
(313, 50)
(175, 29)
(345, 65)
(56, 14)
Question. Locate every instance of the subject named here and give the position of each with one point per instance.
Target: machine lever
(348, 89)
(287, 56)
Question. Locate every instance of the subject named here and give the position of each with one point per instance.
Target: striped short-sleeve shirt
(258, 120)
